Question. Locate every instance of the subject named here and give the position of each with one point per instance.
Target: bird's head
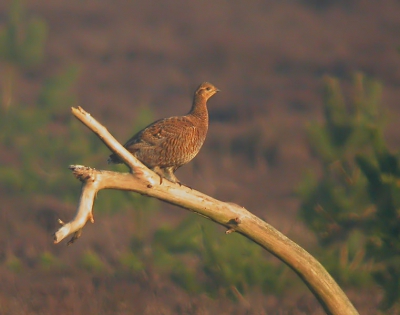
(206, 90)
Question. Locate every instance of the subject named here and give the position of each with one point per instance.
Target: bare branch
(233, 217)
(134, 164)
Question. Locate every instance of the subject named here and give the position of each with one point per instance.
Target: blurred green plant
(198, 258)
(91, 262)
(39, 139)
(34, 144)
(48, 261)
(131, 261)
(14, 264)
(383, 226)
(22, 41)
(36, 138)
(352, 207)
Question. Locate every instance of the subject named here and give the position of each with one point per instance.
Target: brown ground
(268, 58)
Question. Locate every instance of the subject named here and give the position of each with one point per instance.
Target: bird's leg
(159, 172)
(169, 174)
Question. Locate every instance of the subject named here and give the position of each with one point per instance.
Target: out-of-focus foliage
(48, 261)
(40, 139)
(91, 262)
(22, 39)
(353, 206)
(339, 197)
(14, 264)
(383, 227)
(22, 42)
(35, 140)
(259, 122)
(200, 259)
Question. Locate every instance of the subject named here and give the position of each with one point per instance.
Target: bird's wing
(161, 130)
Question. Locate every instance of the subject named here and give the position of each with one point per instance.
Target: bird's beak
(217, 90)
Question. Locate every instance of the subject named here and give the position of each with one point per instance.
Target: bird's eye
(208, 88)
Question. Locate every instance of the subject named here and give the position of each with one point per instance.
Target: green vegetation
(21, 47)
(47, 261)
(91, 262)
(40, 136)
(353, 206)
(200, 258)
(14, 264)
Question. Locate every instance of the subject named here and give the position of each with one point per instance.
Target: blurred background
(304, 134)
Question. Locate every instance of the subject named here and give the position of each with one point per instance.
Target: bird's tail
(114, 159)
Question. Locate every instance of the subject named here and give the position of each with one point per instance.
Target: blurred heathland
(277, 118)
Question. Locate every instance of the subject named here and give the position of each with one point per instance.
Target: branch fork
(235, 218)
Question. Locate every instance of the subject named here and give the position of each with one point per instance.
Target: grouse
(167, 144)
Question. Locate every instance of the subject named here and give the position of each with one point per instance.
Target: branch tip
(91, 217)
(83, 173)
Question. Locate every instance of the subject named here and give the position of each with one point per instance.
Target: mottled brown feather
(167, 144)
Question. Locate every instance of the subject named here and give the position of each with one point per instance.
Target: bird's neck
(199, 108)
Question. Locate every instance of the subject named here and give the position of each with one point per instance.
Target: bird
(169, 143)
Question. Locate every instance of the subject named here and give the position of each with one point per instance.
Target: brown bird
(167, 144)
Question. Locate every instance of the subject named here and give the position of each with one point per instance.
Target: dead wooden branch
(233, 217)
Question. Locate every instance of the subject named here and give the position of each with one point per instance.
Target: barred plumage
(169, 143)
